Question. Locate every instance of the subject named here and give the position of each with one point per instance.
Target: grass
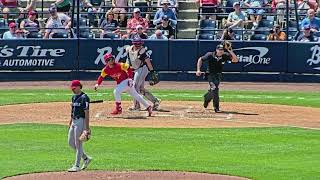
(308, 99)
(258, 153)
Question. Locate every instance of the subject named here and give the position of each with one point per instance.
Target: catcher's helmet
(108, 57)
(137, 41)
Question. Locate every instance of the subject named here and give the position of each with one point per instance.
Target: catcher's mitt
(85, 136)
(227, 45)
(154, 78)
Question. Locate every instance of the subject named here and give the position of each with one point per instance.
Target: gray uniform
(136, 59)
(80, 103)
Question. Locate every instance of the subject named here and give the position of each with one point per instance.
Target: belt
(76, 117)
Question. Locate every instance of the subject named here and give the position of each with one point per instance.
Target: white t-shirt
(8, 35)
(59, 22)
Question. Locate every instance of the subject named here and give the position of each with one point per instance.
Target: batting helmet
(137, 41)
(108, 57)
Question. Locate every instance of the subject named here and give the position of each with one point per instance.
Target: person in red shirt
(134, 22)
(10, 6)
(122, 74)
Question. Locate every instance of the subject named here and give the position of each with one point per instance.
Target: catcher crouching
(79, 130)
(213, 75)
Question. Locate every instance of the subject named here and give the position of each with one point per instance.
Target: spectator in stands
(276, 34)
(20, 34)
(139, 32)
(57, 25)
(118, 7)
(158, 35)
(209, 6)
(255, 9)
(279, 6)
(236, 19)
(10, 6)
(311, 20)
(135, 21)
(306, 4)
(174, 4)
(30, 26)
(31, 6)
(165, 10)
(110, 27)
(228, 34)
(11, 34)
(166, 28)
(307, 35)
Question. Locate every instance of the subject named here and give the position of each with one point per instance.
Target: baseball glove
(154, 78)
(227, 45)
(85, 136)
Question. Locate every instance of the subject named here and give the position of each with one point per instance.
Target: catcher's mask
(108, 57)
(137, 41)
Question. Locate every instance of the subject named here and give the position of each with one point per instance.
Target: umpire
(216, 61)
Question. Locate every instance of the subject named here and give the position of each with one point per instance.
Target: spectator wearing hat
(10, 6)
(57, 25)
(209, 6)
(166, 28)
(11, 34)
(119, 7)
(158, 36)
(165, 10)
(139, 32)
(276, 34)
(30, 26)
(110, 27)
(135, 21)
(311, 20)
(237, 18)
(174, 4)
(307, 35)
(255, 10)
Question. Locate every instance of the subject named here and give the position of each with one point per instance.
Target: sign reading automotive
(22, 56)
(37, 55)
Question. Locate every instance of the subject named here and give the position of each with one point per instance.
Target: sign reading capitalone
(26, 56)
(253, 56)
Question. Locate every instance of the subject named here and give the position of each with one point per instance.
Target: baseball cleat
(216, 110)
(74, 169)
(86, 163)
(116, 112)
(149, 109)
(156, 105)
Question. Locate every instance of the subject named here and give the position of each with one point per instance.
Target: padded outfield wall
(175, 59)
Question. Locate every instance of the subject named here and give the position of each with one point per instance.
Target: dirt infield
(173, 114)
(108, 175)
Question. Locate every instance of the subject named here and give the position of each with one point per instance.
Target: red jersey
(119, 72)
(10, 3)
(209, 2)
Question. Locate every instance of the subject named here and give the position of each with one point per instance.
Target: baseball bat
(97, 101)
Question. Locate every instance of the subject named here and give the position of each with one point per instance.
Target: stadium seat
(60, 35)
(3, 27)
(206, 30)
(264, 27)
(229, 5)
(258, 37)
(85, 32)
(34, 35)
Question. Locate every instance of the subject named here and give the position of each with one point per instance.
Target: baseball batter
(216, 61)
(122, 74)
(78, 123)
(140, 62)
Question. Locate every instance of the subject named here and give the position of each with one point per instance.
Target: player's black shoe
(216, 109)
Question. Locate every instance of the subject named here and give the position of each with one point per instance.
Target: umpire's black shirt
(215, 63)
(80, 103)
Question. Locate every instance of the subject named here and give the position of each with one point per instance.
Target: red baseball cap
(75, 84)
(106, 57)
(32, 12)
(12, 25)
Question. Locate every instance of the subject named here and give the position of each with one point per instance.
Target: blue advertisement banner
(38, 55)
(183, 55)
(304, 58)
(92, 51)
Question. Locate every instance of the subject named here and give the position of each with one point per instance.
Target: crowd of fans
(124, 19)
(117, 20)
